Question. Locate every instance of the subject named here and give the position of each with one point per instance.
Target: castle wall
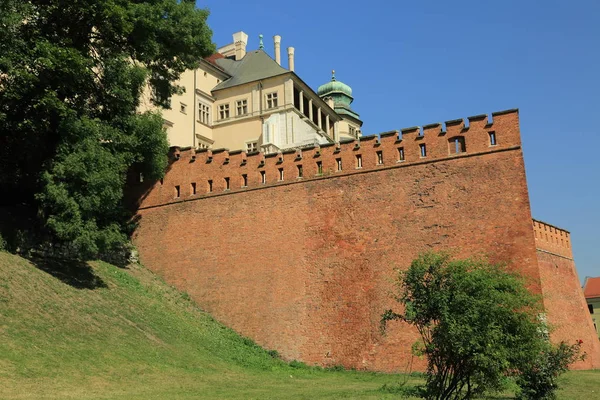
(566, 307)
(305, 265)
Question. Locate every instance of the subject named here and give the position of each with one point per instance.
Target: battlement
(552, 239)
(195, 174)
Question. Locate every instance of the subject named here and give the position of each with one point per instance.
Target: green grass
(99, 332)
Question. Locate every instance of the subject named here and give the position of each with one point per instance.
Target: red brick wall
(564, 302)
(305, 266)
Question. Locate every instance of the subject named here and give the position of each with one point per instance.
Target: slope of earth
(95, 331)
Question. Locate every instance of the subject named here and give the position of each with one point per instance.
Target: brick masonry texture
(306, 266)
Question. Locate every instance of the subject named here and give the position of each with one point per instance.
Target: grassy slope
(124, 334)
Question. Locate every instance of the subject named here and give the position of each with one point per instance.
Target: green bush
(477, 322)
(538, 379)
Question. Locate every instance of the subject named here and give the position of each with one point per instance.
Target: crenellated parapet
(195, 174)
(551, 239)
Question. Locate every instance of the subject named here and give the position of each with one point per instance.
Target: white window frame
(241, 105)
(252, 146)
(272, 100)
(204, 113)
(224, 111)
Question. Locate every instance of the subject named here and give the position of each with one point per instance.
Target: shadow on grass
(77, 274)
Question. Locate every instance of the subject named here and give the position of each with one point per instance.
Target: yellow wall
(234, 136)
(596, 315)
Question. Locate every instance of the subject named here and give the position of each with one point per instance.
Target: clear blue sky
(417, 62)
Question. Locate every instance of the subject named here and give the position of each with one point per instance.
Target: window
(492, 138)
(224, 111)
(141, 178)
(380, 158)
(352, 131)
(226, 183)
(280, 174)
(244, 180)
(183, 108)
(272, 100)
(300, 171)
(457, 145)
(177, 191)
(423, 150)
(338, 161)
(204, 113)
(251, 147)
(319, 168)
(193, 187)
(591, 308)
(358, 161)
(400, 153)
(263, 177)
(242, 107)
(210, 185)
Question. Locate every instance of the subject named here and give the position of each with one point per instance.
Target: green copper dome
(334, 87)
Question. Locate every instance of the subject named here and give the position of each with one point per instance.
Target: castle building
(246, 100)
(285, 223)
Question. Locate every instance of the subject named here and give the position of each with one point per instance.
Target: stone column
(319, 118)
(301, 102)
(310, 113)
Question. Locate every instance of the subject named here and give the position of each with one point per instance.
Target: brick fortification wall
(305, 265)
(565, 304)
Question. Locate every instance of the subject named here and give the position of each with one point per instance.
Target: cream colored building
(246, 100)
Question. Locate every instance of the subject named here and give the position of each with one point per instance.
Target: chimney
(277, 40)
(239, 42)
(291, 58)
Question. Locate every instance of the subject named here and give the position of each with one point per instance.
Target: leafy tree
(71, 77)
(477, 323)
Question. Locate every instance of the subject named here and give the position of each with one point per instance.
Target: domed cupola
(340, 93)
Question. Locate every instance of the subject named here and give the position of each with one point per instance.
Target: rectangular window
(204, 113)
(272, 100)
(177, 191)
(423, 150)
(227, 184)
(224, 111)
(319, 168)
(352, 131)
(210, 185)
(492, 138)
(244, 180)
(183, 108)
(280, 174)
(380, 158)
(591, 308)
(193, 187)
(242, 107)
(338, 161)
(263, 177)
(300, 171)
(400, 153)
(251, 147)
(358, 161)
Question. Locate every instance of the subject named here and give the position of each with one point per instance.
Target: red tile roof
(213, 58)
(592, 288)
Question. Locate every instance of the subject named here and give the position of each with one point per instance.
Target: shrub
(477, 321)
(537, 379)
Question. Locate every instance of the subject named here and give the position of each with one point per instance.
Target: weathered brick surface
(306, 266)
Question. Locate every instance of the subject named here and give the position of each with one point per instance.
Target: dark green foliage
(71, 76)
(477, 323)
(538, 379)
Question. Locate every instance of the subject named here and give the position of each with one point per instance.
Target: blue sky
(417, 62)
